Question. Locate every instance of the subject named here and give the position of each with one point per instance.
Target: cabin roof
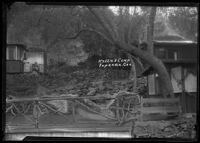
(150, 70)
(169, 37)
(18, 45)
(171, 43)
(175, 43)
(172, 40)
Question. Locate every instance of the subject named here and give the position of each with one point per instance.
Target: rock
(68, 87)
(91, 92)
(188, 115)
(101, 87)
(109, 86)
(73, 91)
(184, 126)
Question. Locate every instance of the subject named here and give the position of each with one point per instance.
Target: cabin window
(20, 54)
(15, 53)
(170, 54)
(189, 53)
(174, 54)
(160, 53)
(12, 53)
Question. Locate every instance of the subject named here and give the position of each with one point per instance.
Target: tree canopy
(100, 29)
(47, 25)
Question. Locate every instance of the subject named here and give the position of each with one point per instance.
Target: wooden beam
(159, 109)
(159, 100)
(183, 90)
(7, 53)
(53, 98)
(16, 53)
(58, 129)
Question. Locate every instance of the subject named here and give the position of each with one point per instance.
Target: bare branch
(89, 30)
(138, 61)
(59, 37)
(133, 72)
(150, 29)
(53, 42)
(103, 23)
(110, 23)
(40, 17)
(156, 63)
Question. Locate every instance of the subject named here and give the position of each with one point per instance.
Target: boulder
(91, 92)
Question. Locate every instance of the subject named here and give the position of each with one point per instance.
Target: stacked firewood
(182, 127)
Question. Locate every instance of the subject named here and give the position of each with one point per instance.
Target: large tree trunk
(154, 62)
(150, 30)
(146, 56)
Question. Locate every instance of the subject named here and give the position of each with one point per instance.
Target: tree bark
(146, 56)
(150, 30)
(154, 62)
(133, 73)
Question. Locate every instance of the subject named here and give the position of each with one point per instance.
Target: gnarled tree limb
(89, 30)
(103, 23)
(150, 29)
(148, 57)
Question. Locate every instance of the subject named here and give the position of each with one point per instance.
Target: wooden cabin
(35, 56)
(20, 59)
(15, 56)
(180, 59)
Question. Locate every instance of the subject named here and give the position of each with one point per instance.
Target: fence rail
(37, 102)
(55, 98)
(125, 112)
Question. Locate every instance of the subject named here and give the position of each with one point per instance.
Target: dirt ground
(158, 126)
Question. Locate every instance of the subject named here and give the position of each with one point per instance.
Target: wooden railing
(37, 102)
(124, 112)
(159, 106)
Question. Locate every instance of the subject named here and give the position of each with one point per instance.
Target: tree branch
(40, 17)
(89, 30)
(133, 72)
(58, 38)
(150, 29)
(106, 27)
(156, 63)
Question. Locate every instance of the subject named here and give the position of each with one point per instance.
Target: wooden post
(74, 110)
(37, 116)
(141, 107)
(7, 53)
(16, 53)
(117, 110)
(183, 90)
(132, 129)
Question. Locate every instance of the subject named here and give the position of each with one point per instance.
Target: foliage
(184, 19)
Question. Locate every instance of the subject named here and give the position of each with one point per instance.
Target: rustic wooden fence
(121, 112)
(37, 102)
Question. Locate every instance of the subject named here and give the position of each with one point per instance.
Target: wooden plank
(160, 100)
(54, 98)
(21, 136)
(65, 130)
(183, 90)
(73, 111)
(159, 109)
(151, 84)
